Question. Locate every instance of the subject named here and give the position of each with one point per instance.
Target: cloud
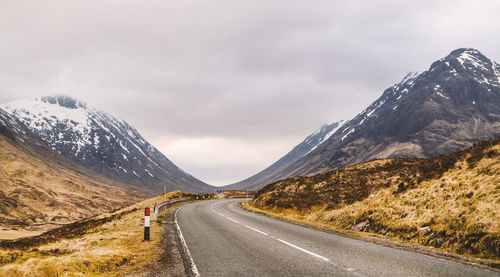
(242, 71)
(219, 155)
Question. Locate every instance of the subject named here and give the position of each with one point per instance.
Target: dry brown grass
(38, 194)
(457, 210)
(115, 248)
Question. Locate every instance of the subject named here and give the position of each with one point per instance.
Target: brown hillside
(40, 194)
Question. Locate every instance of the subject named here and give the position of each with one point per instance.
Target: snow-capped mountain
(101, 142)
(446, 108)
(305, 147)
(39, 186)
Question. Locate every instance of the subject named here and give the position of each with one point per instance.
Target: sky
(226, 87)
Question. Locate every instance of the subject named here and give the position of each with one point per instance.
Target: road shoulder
(173, 261)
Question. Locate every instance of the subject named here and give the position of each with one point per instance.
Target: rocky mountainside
(12, 129)
(305, 147)
(446, 108)
(102, 143)
(40, 189)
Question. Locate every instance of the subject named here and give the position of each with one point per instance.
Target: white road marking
(265, 234)
(194, 269)
(349, 269)
(234, 220)
(303, 250)
(256, 230)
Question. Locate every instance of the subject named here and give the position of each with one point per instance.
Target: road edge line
(194, 269)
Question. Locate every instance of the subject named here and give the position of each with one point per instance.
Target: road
(225, 240)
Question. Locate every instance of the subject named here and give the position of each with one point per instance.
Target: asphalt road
(225, 240)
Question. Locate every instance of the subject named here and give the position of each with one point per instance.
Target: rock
(425, 229)
(361, 227)
(411, 236)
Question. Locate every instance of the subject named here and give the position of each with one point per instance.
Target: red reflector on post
(147, 211)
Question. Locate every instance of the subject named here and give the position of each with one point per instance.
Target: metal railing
(161, 206)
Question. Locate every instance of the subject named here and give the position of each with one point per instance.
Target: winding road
(224, 240)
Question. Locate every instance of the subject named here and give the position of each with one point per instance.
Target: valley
(249, 138)
(417, 170)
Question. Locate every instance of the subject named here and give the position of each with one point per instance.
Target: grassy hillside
(451, 202)
(38, 194)
(107, 245)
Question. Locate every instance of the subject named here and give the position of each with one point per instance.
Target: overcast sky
(225, 88)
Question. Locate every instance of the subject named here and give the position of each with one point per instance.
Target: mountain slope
(102, 143)
(40, 188)
(450, 202)
(312, 142)
(446, 108)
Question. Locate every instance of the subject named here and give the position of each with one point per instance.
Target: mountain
(305, 147)
(446, 108)
(102, 143)
(40, 189)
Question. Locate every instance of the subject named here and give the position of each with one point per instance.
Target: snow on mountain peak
(470, 59)
(100, 142)
(65, 120)
(40, 113)
(64, 101)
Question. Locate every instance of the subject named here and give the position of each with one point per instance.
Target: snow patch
(439, 93)
(325, 137)
(135, 173)
(350, 132)
(468, 60)
(149, 173)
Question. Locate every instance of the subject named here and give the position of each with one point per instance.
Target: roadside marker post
(147, 222)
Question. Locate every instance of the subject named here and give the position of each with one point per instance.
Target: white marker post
(147, 222)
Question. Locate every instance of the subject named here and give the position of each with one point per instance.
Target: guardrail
(161, 206)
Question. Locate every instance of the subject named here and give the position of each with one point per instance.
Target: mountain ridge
(448, 107)
(102, 143)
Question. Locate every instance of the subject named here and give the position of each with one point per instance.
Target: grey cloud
(232, 69)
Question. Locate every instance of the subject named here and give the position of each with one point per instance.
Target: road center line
(256, 230)
(265, 234)
(234, 220)
(303, 250)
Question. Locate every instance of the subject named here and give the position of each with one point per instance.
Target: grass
(453, 208)
(42, 192)
(113, 248)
